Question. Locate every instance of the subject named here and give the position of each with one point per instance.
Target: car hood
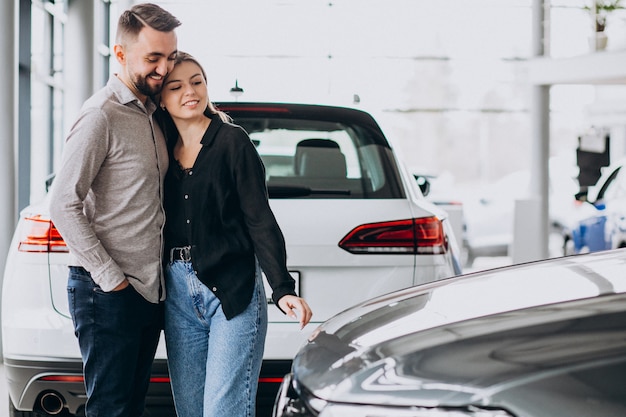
(435, 344)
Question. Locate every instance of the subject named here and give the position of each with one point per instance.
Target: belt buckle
(184, 254)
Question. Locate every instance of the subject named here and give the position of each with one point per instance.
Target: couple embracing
(163, 204)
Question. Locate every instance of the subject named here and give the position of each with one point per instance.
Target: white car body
(437, 190)
(39, 345)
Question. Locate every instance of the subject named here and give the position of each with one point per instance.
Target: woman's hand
(289, 303)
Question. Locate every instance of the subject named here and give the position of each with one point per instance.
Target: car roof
(301, 111)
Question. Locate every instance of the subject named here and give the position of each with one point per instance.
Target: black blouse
(220, 208)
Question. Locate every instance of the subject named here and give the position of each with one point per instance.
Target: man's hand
(122, 285)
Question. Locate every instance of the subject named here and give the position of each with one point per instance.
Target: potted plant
(602, 9)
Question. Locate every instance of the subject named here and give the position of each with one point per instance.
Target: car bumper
(30, 380)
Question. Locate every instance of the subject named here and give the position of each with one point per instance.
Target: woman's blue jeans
(214, 363)
(118, 333)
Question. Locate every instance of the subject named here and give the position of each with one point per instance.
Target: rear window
(321, 159)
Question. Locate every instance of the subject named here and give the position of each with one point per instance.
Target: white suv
(355, 223)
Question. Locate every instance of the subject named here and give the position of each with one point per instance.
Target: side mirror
(423, 183)
(49, 180)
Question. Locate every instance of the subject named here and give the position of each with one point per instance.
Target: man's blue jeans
(118, 333)
(214, 363)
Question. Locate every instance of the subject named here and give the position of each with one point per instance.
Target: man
(107, 205)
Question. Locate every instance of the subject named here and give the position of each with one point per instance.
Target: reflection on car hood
(450, 342)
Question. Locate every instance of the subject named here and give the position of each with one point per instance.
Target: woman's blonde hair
(165, 120)
(185, 57)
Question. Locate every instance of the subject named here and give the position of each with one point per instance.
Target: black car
(533, 340)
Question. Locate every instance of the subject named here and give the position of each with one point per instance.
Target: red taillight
(40, 235)
(411, 236)
(62, 378)
(160, 379)
(81, 379)
(270, 380)
(153, 379)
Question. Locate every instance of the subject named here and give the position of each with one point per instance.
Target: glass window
(47, 95)
(103, 41)
(321, 159)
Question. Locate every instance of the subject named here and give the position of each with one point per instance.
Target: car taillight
(81, 379)
(153, 379)
(410, 236)
(40, 235)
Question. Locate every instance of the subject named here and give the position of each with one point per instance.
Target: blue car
(588, 235)
(600, 222)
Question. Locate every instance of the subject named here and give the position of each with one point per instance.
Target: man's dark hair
(145, 14)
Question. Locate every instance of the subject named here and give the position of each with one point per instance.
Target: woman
(219, 233)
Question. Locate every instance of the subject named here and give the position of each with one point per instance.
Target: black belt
(180, 254)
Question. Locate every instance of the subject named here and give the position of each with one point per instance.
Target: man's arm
(83, 155)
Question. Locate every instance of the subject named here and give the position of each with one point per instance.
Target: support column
(531, 227)
(22, 41)
(540, 169)
(8, 116)
(79, 60)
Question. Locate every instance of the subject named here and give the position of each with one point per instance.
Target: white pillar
(531, 227)
(8, 133)
(79, 58)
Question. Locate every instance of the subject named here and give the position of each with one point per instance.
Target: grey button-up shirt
(107, 197)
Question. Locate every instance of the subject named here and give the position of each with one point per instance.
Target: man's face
(147, 60)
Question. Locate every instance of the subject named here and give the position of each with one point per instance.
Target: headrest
(319, 158)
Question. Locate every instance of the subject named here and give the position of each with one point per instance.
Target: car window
(321, 159)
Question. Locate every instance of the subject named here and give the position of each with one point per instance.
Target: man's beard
(141, 83)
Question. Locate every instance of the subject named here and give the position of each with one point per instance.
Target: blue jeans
(214, 363)
(118, 333)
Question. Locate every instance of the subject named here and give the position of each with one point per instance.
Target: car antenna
(236, 91)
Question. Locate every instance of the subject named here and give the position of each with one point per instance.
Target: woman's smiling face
(184, 93)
